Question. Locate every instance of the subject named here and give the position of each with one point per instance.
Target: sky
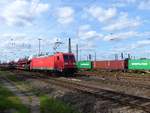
(104, 27)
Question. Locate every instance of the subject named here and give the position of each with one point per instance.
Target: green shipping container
(139, 64)
(84, 64)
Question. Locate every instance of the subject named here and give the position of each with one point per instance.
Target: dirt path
(27, 98)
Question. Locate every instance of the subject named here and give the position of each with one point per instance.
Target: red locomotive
(59, 62)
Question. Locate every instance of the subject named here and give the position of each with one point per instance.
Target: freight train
(59, 63)
(65, 63)
(123, 65)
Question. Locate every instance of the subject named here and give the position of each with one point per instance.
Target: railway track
(92, 79)
(124, 99)
(143, 82)
(117, 82)
(117, 97)
(121, 76)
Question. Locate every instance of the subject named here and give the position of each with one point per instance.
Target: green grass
(51, 105)
(47, 104)
(4, 72)
(8, 101)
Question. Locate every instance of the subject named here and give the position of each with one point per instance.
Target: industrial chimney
(69, 46)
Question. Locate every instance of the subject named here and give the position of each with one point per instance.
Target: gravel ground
(82, 102)
(32, 103)
(140, 78)
(126, 87)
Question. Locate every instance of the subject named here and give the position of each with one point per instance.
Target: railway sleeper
(121, 98)
(146, 104)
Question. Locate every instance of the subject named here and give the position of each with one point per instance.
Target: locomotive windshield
(68, 58)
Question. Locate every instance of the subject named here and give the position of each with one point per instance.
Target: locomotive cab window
(71, 57)
(68, 57)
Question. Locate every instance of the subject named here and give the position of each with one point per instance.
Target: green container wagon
(139, 64)
(84, 65)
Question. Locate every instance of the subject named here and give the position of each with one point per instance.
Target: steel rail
(124, 99)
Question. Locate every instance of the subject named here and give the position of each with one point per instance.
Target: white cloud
(140, 4)
(128, 1)
(125, 35)
(138, 44)
(120, 36)
(144, 34)
(86, 33)
(143, 42)
(102, 14)
(65, 15)
(21, 42)
(144, 5)
(131, 47)
(84, 27)
(123, 3)
(123, 22)
(119, 4)
(22, 12)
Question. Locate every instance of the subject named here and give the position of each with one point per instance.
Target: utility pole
(95, 56)
(122, 56)
(12, 43)
(129, 56)
(77, 52)
(90, 57)
(116, 56)
(80, 54)
(39, 46)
